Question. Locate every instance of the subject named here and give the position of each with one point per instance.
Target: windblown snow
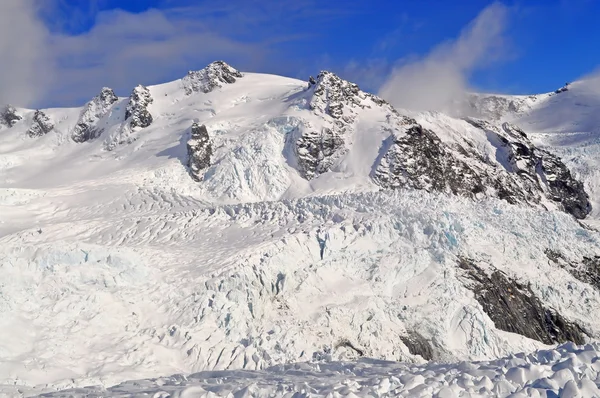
(304, 247)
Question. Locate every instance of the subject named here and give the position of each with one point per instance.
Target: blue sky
(87, 44)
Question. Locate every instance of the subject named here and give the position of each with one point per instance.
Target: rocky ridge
(339, 102)
(199, 150)
(40, 125)
(87, 126)
(419, 159)
(209, 78)
(9, 116)
(137, 113)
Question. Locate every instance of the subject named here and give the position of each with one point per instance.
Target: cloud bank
(26, 64)
(437, 80)
(53, 55)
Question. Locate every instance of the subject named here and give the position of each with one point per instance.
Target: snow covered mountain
(175, 231)
(564, 121)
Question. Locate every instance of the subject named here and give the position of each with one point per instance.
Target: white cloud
(433, 82)
(25, 61)
(124, 49)
(42, 67)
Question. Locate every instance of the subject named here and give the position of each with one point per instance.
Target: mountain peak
(211, 77)
(86, 128)
(9, 116)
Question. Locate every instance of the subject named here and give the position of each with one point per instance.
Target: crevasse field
(116, 265)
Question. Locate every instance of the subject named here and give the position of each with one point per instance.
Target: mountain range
(230, 220)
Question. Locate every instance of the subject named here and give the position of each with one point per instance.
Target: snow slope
(117, 265)
(567, 123)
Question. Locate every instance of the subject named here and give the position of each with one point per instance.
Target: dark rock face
(41, 125)
(544, 174)
(9, 116)
(86, 128)
(562, 89)
(337, 101)
(513, 307)
(586, 270)
(417, 158)
(331, 95)
(209, 78)
(137, 109)
(316, 151)
(563, 187)
(347, 344)
(418, 345)
(199, 150)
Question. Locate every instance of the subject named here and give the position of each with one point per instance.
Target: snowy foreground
(269, 269)
(569, 371)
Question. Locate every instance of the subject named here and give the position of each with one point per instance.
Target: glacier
(117, 265)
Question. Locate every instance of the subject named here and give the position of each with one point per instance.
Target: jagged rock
(513, 307)
(417, 158)
(316, 151)
(337, 101)
(418, 345)
(209, 78)
(87, 128)
(539, 170)
(562, 89)
(586, 270)
(199, 150)
(331, 95)
(137, 109)
(563, 187)
(137, 116)
(41, 125)
(9, 116)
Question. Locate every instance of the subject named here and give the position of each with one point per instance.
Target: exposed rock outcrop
(513, 307)
(337, 101)
(137, 112)
(209, 78)
(9, 116)
(418, 345)
(40, 125)
(543, 174)
(563, 187)
(199, 150)
(418, 158)
(586, 270)
(317, 151)
(562, 89)
(87, 127)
